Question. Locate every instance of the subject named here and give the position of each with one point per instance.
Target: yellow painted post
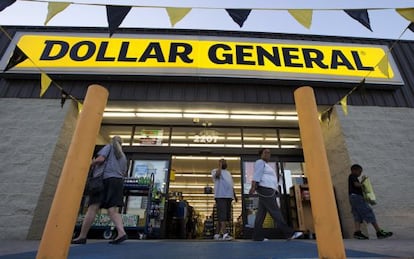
(63, 213)
(324, 210)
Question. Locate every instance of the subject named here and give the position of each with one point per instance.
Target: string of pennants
(117, 13)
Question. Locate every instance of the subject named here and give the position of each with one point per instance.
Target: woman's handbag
(95, 180)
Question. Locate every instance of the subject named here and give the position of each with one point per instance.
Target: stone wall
(36, 135)
(380, 140)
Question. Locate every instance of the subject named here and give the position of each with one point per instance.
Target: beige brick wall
(36, 134)
(380, 140)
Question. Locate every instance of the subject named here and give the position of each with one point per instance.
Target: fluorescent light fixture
(179, 145)
(261, 146)
(158, 115)
(253, 112)
(119, 114)
(159, 110)
(178, 137)
(204, 111)
(289, 139)
(287, 113)
(287, 118)
(205, 115)
(271, 139)
(109, 109)
(253, 138)
(122, 136)
(251, 117)
(222, 157)
(232, 146)
(289, 146)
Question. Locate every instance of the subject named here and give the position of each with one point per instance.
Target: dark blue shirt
(351, 187)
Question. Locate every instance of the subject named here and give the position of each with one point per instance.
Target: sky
(211, 15)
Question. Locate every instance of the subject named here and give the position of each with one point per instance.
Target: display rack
(102, 227)
(300, 209)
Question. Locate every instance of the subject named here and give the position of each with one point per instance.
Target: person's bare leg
(117, 220)
(88, 220)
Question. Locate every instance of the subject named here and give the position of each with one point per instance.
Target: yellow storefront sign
(205, 56)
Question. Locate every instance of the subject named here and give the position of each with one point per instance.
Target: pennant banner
(361, 15)
(383, 65)
(17, 57)
(45, 83)
(6, 3)
(407, 13)
(239, 16)
(304, 17)
(53, 9)
(344, 104)
(63, 96)
(411, 26)
(116, 14)
(80, 107)
(177, 14)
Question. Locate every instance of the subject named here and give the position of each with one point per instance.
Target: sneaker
(227, 237)
(218, 237)
(296, 235)
(383, 234)
(359, 235)
(265, 240)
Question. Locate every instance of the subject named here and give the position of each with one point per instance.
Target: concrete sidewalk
(166, 249)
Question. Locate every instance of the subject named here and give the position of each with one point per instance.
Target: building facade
(184, 95)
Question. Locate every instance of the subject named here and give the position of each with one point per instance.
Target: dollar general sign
(204, 56)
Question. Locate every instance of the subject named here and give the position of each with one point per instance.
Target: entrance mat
(183, 249)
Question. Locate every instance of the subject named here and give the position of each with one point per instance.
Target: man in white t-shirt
(223, 194)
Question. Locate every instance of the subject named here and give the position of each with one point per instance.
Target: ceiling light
(289, 139)
(251, 117)
(289, 146)
(287, 113)
(158, 115)
(118, 114)
(159, 110)
(253, 138)
(205, 116)
(108, 109)
(205, 111)
(253, 112)
(287, 118)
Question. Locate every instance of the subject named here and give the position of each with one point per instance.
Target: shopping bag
(368, 191)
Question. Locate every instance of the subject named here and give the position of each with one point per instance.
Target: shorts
(223, 209)
(112, 194)
(361, 210)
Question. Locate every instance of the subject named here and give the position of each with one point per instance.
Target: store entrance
(191, 212)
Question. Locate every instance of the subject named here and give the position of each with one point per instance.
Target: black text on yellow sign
(206, 56)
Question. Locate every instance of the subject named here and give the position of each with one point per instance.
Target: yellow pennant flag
(303, 16)
(344, 104)
(177, 14)
(80, 107)
(407, 13)
(383, 65)
(45, 83)
(54, 8)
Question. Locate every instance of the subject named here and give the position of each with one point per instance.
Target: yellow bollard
(324, 210)
(63, 213)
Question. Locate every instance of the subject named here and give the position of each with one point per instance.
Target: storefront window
(151, 136)
(294, 174)
(206, 137)
(290, 138)
(260, 138)
(108, 131)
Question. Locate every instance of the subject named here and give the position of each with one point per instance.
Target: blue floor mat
(166, 249)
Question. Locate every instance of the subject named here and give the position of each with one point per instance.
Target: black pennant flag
(411, 26)
(115, 15)
(239, 15)
(17, 57)
(6, 3)
(63, 96)
(361, 15)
